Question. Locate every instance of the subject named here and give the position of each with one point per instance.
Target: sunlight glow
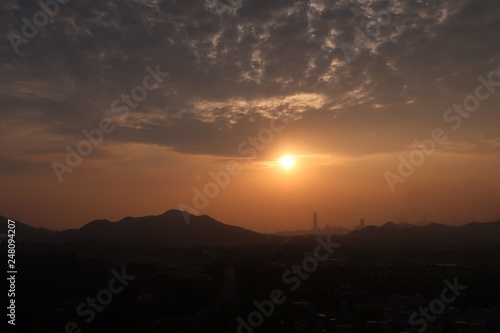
(287, 162)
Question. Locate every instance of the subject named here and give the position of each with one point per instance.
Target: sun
(287, 162)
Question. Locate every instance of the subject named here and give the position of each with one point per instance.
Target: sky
(387, 110)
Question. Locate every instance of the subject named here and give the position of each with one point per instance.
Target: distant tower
(362, 223)
(315, 221)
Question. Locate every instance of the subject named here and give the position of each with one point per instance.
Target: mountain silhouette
(169, 228)
(26, 232)
(470, 233)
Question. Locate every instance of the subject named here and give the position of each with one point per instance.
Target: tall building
(315, 221)
(362, 223)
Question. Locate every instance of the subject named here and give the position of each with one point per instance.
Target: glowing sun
(287, 162)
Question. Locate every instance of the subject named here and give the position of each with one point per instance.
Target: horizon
(321, 227)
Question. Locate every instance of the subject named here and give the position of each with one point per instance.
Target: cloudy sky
(351, 84)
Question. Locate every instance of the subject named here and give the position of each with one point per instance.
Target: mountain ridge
(168, 228)
(471, 232)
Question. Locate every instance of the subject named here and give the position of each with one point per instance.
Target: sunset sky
(262, 77)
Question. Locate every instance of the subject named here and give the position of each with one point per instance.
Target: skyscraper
(362, 223)
(315, 221)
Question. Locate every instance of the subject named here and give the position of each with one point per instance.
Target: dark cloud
(268, 58)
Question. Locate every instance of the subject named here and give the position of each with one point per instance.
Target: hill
(168, 228)
(470, 233)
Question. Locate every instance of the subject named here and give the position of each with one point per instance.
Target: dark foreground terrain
(363, 282)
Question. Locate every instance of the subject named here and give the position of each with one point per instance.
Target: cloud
(266, 59)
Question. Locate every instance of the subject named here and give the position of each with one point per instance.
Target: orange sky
(172, 94)
(263, 197)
